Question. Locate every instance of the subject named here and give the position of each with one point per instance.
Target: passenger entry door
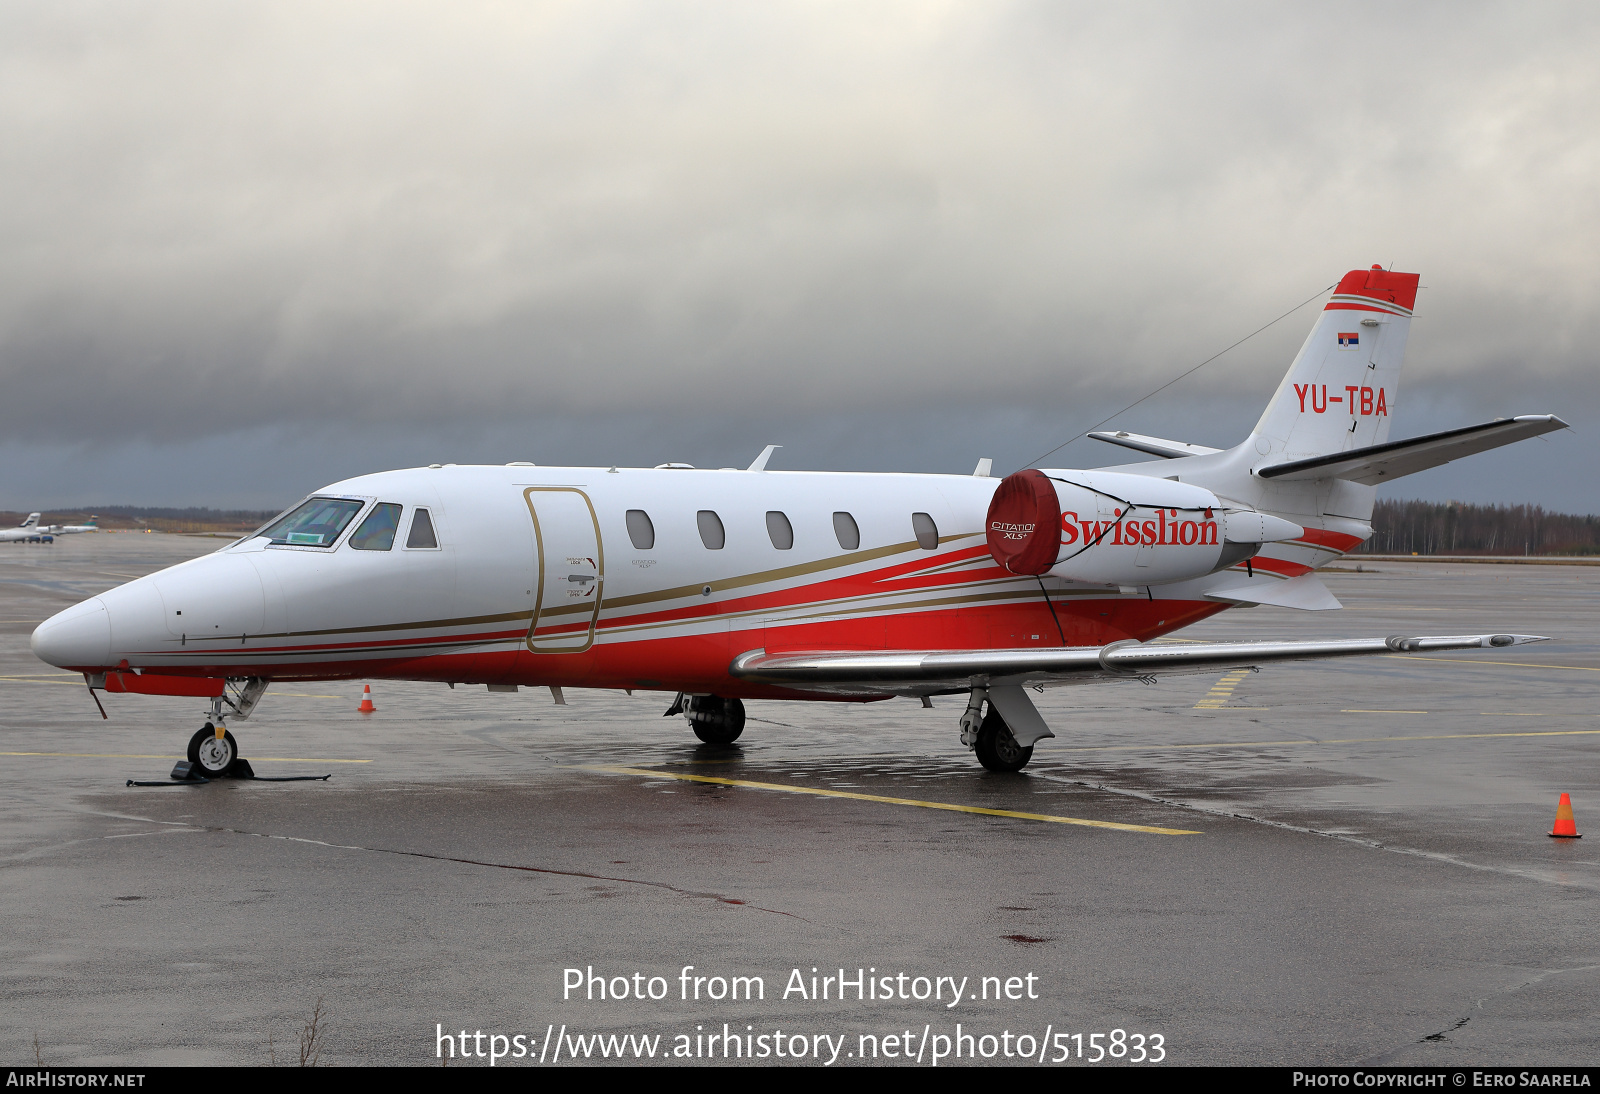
(571, 562)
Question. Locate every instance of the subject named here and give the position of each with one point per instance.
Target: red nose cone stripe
(1024, 523)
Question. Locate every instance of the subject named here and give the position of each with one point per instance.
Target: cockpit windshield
(315, 523)
(377, 531)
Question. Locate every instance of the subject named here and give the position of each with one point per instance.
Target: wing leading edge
(926, 672)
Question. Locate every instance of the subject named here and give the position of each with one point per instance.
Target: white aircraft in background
(26, 532)
(726, 586)
(73, 529)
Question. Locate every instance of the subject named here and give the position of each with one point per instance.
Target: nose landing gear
(212, 751)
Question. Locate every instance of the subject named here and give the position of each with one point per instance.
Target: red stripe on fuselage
(1276, 566)
(1335, 541)
(888, 579)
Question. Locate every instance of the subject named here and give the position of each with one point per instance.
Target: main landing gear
(715, 720)
(990, 737)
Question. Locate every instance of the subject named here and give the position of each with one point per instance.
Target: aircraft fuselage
(538, 578)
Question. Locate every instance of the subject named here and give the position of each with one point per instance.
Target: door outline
(600, 567)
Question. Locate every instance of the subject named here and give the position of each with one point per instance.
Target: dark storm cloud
(473, 218)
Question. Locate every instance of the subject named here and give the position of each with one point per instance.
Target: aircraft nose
(78, 638)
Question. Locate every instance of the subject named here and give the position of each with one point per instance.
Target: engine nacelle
(1112, 528)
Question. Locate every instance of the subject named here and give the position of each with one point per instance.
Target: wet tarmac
(1366, 876)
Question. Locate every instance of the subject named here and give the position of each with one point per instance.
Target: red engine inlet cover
(1024, 523)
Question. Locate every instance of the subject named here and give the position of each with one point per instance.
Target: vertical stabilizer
(1340, 392)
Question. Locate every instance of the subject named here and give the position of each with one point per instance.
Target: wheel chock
(1566, 827)
(185, 772)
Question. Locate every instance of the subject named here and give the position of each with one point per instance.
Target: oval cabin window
(926, 531)
(711, 533)
(780, 531)
(640, 530)
(844, 527)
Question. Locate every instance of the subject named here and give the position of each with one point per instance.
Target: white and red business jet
(729, 585)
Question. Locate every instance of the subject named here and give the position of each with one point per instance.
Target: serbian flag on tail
(1351, 339)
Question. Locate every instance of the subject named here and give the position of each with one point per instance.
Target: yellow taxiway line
(791, 789)
(1505, 664)
(152, 756)
(1338, 741)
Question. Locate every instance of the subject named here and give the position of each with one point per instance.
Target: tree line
(1453, 528)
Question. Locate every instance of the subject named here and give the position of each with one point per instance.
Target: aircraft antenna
(1151, 394)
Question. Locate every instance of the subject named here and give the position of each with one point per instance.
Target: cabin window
(926, 531)
(780, 531)
(376, 533)
(422, 531)
(316, 522)
(640, 530)
(711, 533)
(844, 527)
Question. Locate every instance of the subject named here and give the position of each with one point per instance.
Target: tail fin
(1340, 391)
(33, 519)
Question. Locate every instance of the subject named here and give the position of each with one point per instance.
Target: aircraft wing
(1382, 462)
(927, 672)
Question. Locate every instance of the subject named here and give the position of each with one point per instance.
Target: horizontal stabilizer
(1306, 592)
(1155, 446)
(913, 672)
(1382, 462)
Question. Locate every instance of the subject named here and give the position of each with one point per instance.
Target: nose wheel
(212, 751)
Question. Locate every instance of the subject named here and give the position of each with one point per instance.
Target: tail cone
(366, 707)
(1566, 827)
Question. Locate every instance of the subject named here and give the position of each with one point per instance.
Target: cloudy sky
(250, 248)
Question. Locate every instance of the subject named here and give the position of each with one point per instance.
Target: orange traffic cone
(1566, 827)
(366, 707)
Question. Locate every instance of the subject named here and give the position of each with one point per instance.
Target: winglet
(760, 462)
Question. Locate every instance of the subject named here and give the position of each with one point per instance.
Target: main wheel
(715, 720)
(213, 756)
(997, 749)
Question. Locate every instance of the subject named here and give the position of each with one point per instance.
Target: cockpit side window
(316, 522)
(422, 531)
(376, 533)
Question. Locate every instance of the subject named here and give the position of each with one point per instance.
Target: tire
(211, 757)
(715, 720)
(997, 749)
